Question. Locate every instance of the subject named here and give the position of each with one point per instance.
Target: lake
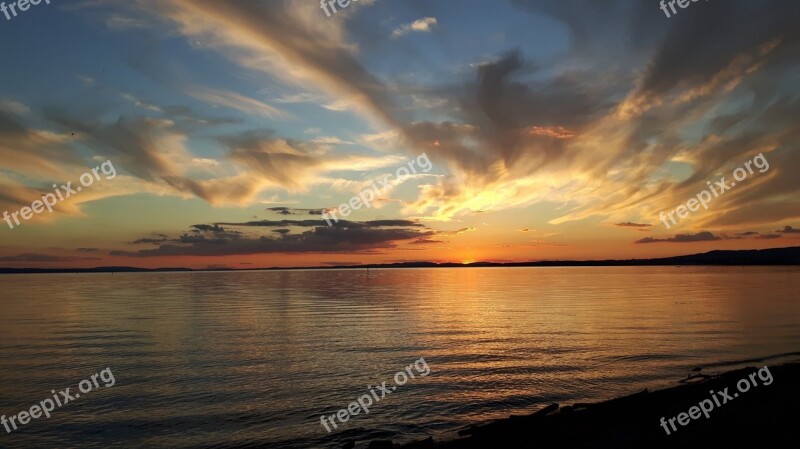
(234, 359)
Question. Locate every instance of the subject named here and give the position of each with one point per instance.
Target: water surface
(232, 359)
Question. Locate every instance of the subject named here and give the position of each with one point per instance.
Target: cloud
(457, 232)
(280, 38)
(34, 152)
(788, 230)
(14, 107)
(614, 164)
(215, 228)
(207, 233)
(237, 101)
(300, 97)
(293, 164)
(543, 243)
(340, 223)
(769, 236)
(154, 150)
(42, 258)
(281, 210)
(33, 257)
(426, 242)
(423, 25)
(629, 224)
(122, 22)
(509, 145)
(330, 140)
(704, 236)
(556, 132)
(344, 237)
(594, 139)
(141, 104)
(146, 240)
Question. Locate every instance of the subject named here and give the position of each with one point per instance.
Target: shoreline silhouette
(768, 257)
(763, 417)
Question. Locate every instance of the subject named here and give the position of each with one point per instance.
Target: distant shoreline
(765, 257)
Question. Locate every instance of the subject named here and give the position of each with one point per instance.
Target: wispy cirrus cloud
(237, 101)
(586, 141)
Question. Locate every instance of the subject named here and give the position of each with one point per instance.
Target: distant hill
(89, 270)
(774, 256)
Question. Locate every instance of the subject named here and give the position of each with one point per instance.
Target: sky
(222, 132)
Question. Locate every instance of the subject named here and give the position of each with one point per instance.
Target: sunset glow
(237, 123)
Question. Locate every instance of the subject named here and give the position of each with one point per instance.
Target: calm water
(247, 359)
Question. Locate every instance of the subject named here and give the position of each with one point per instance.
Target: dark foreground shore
(764, 416)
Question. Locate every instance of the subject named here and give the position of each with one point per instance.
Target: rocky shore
(763, 416)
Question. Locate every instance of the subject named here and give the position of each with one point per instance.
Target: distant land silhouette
(773, 256)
